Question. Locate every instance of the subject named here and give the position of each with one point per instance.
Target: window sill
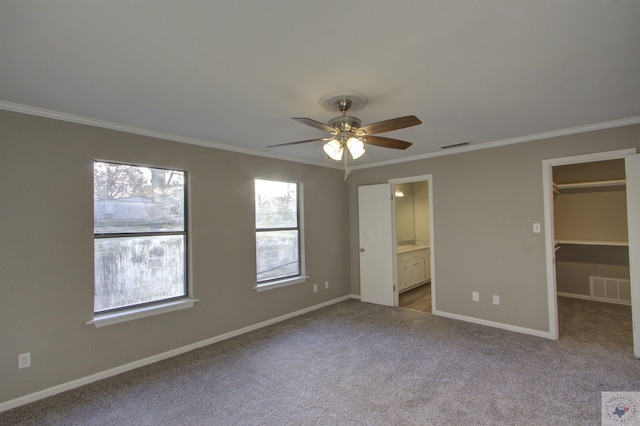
(281, 283)
(111, 318)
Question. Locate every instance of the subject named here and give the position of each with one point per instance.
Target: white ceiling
(235, 72)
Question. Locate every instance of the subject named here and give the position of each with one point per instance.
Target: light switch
(536, 228)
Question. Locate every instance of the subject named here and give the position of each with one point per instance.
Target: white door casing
(430, 259)
(632, 168)
(547, 177)
(377, 249)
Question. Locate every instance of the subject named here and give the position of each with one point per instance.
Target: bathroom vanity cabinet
(414, 267)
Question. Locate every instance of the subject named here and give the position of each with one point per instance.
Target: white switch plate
(326, 284)
(496, 300)
(536, 228)
(475, 296)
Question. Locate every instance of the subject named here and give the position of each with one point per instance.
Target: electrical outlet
(315, 288)
(536, 228)
(496, 300)
(326, 285)
(475, 296)
(24, 360)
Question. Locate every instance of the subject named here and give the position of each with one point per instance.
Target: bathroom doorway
(413, 237)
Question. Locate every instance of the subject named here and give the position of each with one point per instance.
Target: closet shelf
(592, 243)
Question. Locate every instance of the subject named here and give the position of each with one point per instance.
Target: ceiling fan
(346, 131)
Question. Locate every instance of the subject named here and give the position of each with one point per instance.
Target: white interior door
(377, 250)
(632, 166)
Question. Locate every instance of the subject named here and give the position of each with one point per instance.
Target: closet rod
(594, 184)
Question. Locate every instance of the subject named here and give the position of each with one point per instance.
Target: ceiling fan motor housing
(345, 123)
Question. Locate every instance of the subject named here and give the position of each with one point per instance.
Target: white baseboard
(593, 299)
(13, 403)
(524, 330)
(574, 296)
(517, 329)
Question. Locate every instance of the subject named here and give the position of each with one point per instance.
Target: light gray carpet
(360, 364)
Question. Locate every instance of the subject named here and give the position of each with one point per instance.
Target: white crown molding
(511, 141)
(42, 112)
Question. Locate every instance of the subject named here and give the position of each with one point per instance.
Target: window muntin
(278, 239)
(140, 236)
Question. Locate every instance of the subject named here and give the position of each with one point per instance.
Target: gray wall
(484, 204)
(46, 248)
(576, 263)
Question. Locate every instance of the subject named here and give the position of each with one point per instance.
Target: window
(140, 236)
(278, 232)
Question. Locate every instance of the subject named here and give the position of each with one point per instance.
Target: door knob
(361, 250)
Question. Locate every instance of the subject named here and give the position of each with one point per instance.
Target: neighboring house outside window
(279, 241)
(140, 236)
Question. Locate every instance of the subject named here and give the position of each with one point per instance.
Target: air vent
(455, 145)
(613, 290)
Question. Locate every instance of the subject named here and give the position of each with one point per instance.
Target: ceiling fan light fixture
(356, 147)
(347, 132)
(334, 149)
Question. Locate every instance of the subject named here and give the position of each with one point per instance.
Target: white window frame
(133, 312)
(301, 277)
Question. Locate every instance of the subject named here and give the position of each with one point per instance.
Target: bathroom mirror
(405, 221)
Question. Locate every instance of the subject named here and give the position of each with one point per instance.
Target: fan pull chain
(346, 163)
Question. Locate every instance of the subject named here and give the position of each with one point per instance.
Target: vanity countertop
(407, 249)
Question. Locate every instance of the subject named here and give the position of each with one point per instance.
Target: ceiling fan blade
(389, 125)
(386, 142)
(299, 142)
(314, 123)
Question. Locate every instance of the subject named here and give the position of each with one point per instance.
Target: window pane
(136, 270)
(276, 204)
(137, 199)
(277, 254)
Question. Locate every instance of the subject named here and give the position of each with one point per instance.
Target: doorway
(413, 251)
(378, 242)
(413, 227)
(587, 237)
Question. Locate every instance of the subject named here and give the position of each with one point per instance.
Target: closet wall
(590, 227)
